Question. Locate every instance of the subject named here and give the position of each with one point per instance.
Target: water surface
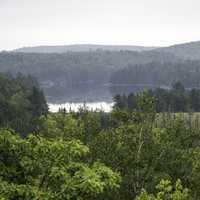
(101, 106)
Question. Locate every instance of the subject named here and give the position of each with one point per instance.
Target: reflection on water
(103, 106)
(92, 93)
(96, 96)
(79, 93)
(130, 88)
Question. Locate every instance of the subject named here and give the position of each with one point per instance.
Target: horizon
(91, 44)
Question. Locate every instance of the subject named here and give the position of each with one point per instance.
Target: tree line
(161, 73)
(176, 99)
(60, 74)
(57, 73)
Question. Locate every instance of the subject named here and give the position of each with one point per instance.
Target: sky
(116, 22)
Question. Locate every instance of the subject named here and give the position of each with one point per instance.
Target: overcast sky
(129, 22)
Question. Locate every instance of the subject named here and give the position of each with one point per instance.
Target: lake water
(98, 97)
(103, 106)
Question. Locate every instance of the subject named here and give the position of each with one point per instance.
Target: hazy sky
(130, 22)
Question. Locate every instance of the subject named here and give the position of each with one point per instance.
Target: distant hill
(65, 73)
(71, 71)
(184, 51)
(80, 48)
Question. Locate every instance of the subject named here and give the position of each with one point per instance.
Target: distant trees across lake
(176, 99)
(67, 73)
(160, 74)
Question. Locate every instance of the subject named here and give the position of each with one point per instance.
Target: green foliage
(83, 126)
(167, 192)
(145, 151)
(144, 147)
(21, 103)
(61, 126)
(38, 168)
(176, 99)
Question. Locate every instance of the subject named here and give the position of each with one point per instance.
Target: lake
(96, 96)
(101, 106)
(92, 92)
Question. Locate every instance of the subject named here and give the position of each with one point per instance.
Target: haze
(125, 22)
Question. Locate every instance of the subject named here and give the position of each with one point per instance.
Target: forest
(64, 73)
(21, 102)
(159, 74)
(75, 67)
(175, 99)
(67, 74)
(136, 154)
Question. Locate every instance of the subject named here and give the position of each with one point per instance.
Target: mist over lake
(94, 92)
(92, 97)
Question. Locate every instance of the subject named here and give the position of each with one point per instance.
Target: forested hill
(185, 69)
(159, 74)
(76, 67)
(64, 71)
(81, 48)
(184, 51)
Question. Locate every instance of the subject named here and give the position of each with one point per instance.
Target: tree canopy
(22, 103)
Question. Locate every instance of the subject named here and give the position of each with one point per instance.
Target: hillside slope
(67, 72)
(80, 48)
(184, 51)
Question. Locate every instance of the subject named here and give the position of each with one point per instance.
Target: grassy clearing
(191, 119)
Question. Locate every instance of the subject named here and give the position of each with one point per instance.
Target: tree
(166, 192)
(22, 103)
(38, 102)
(38, 168)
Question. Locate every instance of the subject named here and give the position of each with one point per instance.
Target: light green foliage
(146, 102)
(85, 126)
(61, 125)
(166, 192)
(194, 157)
(145, 152)
(39, 168)
(92, 125)
(145, 148)
(130, 148)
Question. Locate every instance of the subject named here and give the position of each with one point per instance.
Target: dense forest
(160, 74)
(186, 51)
(57, 73)
(176, 99)
(75, 67)
(64, 75)
(22, 102)
(126, 154)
